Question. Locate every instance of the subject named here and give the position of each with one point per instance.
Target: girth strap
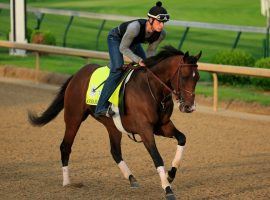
(134, 138)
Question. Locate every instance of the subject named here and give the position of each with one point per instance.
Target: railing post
(99, 32)
(183, 38)
(236, 40)
(267, 43)
(215, 92)
(66, 31)
(40, 17)
(87, 60)
(264, 48)
(37, 67)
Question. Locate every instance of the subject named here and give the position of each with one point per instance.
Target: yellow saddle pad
(96, 85)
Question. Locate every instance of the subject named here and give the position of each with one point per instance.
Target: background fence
(212, 68)
(41, 12)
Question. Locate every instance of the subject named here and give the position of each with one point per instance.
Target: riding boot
(108, 88)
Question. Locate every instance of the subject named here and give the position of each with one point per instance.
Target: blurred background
(232, 32)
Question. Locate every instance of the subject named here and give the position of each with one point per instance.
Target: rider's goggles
(161, 17)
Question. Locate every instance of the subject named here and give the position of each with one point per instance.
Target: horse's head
(180, 71)
(184, 82)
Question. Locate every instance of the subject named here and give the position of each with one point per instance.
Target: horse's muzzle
(187, 108)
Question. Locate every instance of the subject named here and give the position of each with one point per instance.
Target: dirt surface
(240, 106)
(227, 155)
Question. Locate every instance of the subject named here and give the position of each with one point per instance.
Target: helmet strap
(151, 23)
(153, 19)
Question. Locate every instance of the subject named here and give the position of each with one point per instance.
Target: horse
(148, 98)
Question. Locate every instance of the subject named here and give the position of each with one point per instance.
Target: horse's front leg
(149, 142)
(169, 130)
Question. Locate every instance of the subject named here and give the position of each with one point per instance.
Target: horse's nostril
(187, 107)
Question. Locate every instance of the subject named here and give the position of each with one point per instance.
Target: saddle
(97, 81)
(131, 66)
(127, 69)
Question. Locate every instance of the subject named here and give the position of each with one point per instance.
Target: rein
(176, 93)
(179, 88)
(160, 81)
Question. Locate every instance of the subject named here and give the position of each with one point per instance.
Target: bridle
(179, 86)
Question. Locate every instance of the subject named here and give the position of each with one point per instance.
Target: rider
(126, 40)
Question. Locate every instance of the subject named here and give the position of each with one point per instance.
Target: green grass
(83, 33)
(247, 94)
(52, 63)
(238, 12)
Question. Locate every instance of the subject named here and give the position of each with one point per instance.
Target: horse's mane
(166, 51)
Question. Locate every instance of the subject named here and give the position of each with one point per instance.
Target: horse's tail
(52, 111)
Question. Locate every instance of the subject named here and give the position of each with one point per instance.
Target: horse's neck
(166, 68)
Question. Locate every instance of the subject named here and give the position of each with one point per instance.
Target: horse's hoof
(170, 179)
(170, 197)
(77, 185)
(133, 182)
(134, 185)
(65, 184)
(171, 174)
(169, 193)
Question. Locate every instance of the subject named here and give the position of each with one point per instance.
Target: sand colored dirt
(227, 155)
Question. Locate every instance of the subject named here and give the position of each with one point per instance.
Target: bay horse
(148, 108)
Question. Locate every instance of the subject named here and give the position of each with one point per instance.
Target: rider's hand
(141, 63)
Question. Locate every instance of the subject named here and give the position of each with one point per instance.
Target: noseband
(179, 85)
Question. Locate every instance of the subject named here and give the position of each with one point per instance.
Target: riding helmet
(158, 12)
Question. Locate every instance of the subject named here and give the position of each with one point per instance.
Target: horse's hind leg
(115, 141)
(72, 127)
(169, 130)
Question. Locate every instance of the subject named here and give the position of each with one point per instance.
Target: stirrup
(110, 112)
(107, 113)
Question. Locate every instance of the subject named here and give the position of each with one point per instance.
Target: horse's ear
(186, 55)
(198, 55)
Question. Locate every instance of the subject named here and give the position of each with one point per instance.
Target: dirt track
(226, 157)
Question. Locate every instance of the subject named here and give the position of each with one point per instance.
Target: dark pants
(116, 62)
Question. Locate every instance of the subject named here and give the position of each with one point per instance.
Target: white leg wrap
(66, 180)
(178, 156)
(124, 169)
(163, 177)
